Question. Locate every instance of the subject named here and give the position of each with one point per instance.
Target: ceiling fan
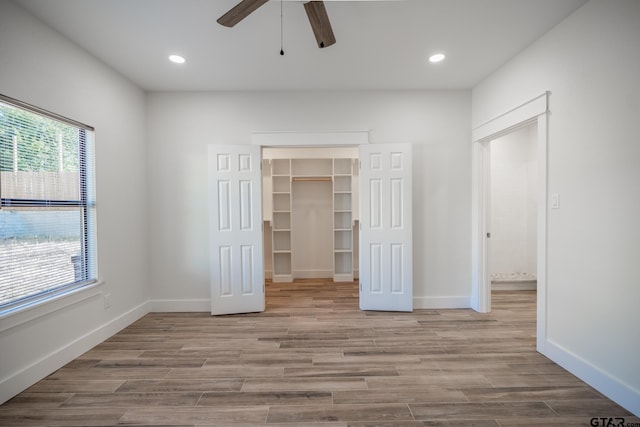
(316, 12)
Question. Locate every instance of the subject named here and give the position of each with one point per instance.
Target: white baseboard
(441, 302)
(26, 377)
(179, 305)
(614, 388)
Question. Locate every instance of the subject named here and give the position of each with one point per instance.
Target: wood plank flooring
(313, 359)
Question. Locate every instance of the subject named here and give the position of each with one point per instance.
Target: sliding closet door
(386, 276)
(235, 229)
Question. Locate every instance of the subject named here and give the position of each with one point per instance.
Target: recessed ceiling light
(438, 57)
(177, 59)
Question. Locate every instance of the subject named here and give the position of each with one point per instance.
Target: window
(47, 209)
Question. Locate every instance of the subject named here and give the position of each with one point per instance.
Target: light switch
(555, 201)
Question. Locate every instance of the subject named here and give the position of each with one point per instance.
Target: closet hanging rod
(310, 178)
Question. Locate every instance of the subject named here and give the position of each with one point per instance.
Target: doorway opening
(531, 113)
(513, 211)
(310, 212)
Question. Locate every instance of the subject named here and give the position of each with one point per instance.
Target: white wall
(42, 68)
(591, 64)
(312, 229)
(514, 202)
(181, 125)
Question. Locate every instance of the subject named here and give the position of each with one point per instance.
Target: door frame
(533, 111)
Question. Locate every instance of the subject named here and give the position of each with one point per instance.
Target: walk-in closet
(310, 213)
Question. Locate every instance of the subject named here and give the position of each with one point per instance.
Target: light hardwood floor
(313, 359)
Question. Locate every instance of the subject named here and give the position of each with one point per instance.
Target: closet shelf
(310, 178)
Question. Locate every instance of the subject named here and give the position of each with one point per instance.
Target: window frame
(85, 203)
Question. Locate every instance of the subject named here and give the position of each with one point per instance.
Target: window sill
(29, 312)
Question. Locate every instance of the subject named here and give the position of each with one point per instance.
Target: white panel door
(235, 229)
(386, 275)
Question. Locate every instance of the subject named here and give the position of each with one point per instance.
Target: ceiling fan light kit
(316, 12)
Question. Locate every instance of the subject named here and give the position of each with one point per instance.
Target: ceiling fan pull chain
(281, 31)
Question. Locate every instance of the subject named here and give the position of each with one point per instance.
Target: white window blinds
(47, 210)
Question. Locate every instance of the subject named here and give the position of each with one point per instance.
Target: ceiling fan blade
(239, 12)
(320, 24)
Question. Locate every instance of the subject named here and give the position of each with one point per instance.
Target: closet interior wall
(311, 227)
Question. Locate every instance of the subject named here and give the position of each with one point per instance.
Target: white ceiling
(380, 44)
